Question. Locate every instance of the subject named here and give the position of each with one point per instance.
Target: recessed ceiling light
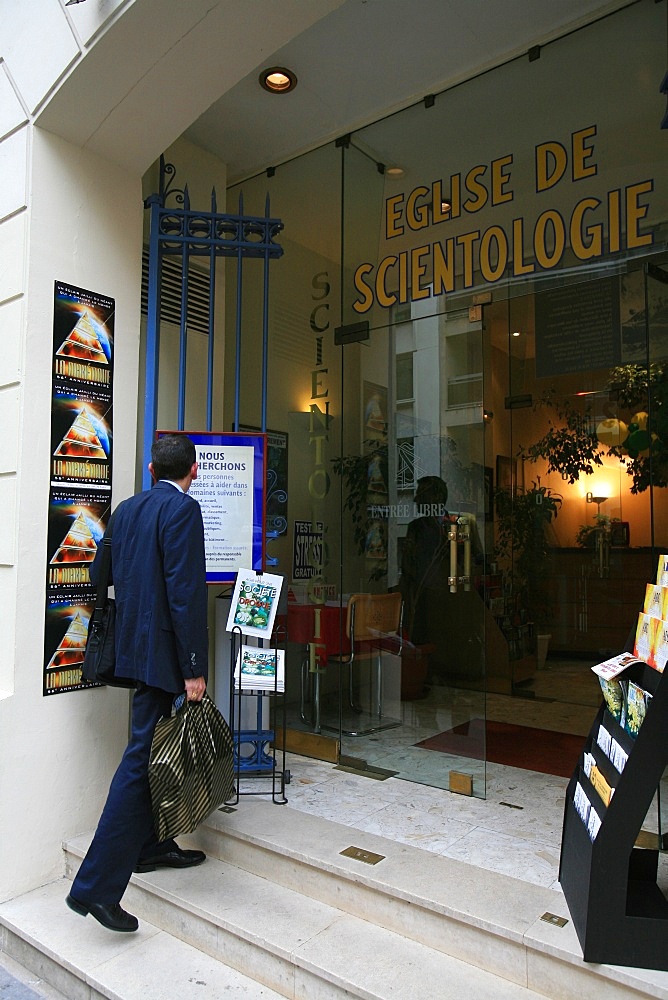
(517, 333)
(395, 171)
(278, 80)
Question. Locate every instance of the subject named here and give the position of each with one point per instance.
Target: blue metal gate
(182, 232)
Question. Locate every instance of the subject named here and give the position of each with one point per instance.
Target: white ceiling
(368, 58)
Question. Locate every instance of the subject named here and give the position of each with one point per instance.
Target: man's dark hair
(431, 489)
(172, 456)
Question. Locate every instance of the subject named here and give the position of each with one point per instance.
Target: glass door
(416, 502)
(581, 476)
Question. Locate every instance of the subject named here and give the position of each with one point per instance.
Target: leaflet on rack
(260, 669)
(615, 665)
(254, 603)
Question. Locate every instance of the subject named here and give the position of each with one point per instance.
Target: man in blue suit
(159, 577)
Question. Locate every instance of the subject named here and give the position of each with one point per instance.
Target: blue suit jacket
(159, 576)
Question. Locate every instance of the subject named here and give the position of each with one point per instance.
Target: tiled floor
(515, 831)
(513, 823)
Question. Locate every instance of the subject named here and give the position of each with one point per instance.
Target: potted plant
(586, 534)
(523, 517)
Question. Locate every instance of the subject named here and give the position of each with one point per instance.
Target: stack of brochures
(260, 669)
(651, 642)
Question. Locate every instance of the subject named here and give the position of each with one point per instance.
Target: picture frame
(374, 412)
(506, 473)
(482, 480)
(620, 534)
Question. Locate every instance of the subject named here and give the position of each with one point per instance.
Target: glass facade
(468, 357)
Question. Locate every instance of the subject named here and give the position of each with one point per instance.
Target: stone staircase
(278, 911)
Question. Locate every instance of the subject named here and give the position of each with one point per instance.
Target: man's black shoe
(111, 915)
(176, 858)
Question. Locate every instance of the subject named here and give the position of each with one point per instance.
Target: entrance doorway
(581, 475)
(411, 493)
(542, 414)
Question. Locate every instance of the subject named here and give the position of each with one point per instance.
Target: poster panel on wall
(577, 327)
(307, 549)
(230, 490)
(80, 474)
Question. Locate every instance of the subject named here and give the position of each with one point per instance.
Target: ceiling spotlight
(278, 80)
(394, 171)
(517, 333)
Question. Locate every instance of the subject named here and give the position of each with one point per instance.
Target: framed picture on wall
(506, 473)
(374, 416)
(620, 535)
(483, 491)
(488, 480)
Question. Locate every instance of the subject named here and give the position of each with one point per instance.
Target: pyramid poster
(78, 545)
(80, 475)
(81, 440)
(83, 342)
(65, 653)
(70, 651)
(77, 520)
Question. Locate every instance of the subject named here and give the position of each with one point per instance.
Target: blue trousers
(125, 831)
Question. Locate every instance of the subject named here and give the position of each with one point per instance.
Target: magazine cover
(661, 646)
(645, 642)
(656, 601)
(614, 697)
(637, 701)
(254, 603)
(260, 669)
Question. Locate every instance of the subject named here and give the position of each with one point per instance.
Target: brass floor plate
(378, 773)
(552, 918)
(648, 841)
(359, 854)
(348, 761)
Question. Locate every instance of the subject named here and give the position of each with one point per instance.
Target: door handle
(459, 531)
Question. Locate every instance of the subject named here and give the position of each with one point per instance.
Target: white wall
(106, 78)
(58, 753)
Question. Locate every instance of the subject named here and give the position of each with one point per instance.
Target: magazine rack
(610, 883)
(255, 752)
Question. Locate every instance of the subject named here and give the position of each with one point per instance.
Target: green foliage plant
(522, 521)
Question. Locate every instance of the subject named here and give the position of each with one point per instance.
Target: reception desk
(590, 612)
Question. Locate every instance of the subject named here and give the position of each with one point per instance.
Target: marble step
(483, 918)
(82, 961)
(328, 956)
(19, 983)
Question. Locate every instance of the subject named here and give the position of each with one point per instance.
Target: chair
(374, 626)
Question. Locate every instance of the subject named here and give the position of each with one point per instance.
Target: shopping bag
(191, 768)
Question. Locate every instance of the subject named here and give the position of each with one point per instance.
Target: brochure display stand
(257, 685)
(256, 716)
(609, 880)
